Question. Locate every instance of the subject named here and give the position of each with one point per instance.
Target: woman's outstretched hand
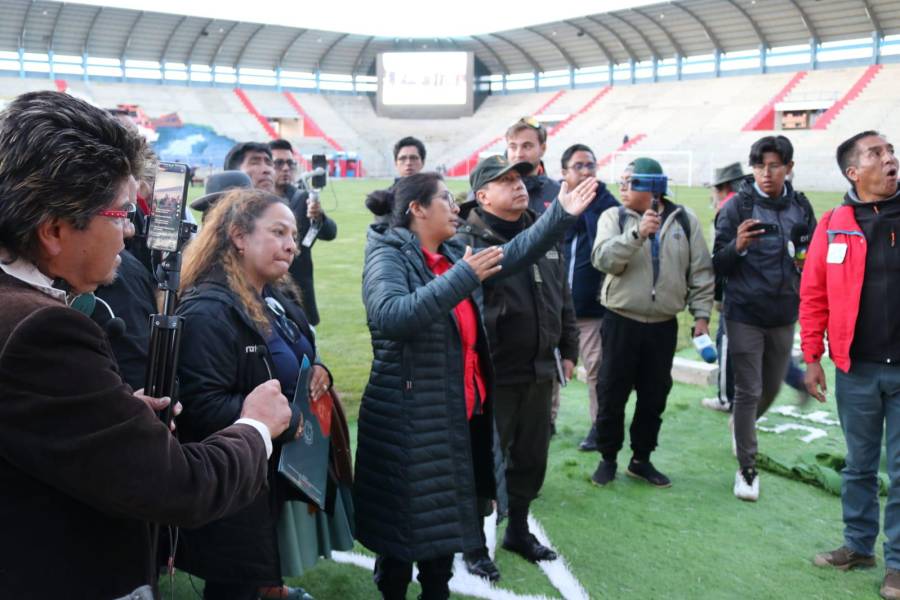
(576, 201)
(486, 262)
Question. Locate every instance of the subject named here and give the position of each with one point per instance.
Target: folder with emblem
(304, 461)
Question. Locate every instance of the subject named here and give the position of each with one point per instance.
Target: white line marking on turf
(464, 583)
(820, 416)
(813, 433)
(557, 571)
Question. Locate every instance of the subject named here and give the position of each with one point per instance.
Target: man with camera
(849, 290)
(758, 234)
(85, 463)
(307, 213)
(656, 261)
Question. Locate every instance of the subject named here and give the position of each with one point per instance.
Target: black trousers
(392, 577)
(636, 356)
(522, 412)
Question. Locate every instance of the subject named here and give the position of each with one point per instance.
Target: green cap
(494, 167)
(646, 166)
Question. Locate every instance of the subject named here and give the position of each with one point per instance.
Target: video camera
(655, 184)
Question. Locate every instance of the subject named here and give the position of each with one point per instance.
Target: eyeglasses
(281, 163)
(446, 197)
(123, 215)
(286, 328)
(579, 166)
(769, 168)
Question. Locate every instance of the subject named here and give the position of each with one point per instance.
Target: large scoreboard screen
(425, 84)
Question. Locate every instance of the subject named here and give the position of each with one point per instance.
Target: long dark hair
(395, 200)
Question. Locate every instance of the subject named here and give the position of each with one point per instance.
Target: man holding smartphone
(754, 254)
(307, 213)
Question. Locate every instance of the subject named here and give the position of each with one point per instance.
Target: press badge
(836, 253)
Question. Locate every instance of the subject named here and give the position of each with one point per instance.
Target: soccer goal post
(678, 165)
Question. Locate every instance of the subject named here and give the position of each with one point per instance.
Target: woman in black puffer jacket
(243, 325)
(426, 445)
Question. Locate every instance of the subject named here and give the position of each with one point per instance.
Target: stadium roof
(640, 33)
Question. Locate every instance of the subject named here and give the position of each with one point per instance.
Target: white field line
(557, 571)
(812, 433)
(464, 583)
(820, 417)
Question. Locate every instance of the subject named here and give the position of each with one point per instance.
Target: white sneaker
(714, 404)
(733, 439)
(746, 491)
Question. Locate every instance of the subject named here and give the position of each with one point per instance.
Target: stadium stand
(700, 119)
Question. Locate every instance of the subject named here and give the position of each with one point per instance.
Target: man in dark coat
(527, 316)
(578, 163)
(306, 213)
(85, 464)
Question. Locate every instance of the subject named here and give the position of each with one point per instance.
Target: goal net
(678, 165)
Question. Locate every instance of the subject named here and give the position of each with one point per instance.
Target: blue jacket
(584, 279)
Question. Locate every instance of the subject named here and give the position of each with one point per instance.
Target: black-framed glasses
(285, 327)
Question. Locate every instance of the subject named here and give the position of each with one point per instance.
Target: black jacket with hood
(762, 286)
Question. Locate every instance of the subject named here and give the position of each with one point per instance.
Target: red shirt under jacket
(467, 323)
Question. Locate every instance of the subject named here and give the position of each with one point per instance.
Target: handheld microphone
(799, 243)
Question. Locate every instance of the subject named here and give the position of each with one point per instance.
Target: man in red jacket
(849, 289)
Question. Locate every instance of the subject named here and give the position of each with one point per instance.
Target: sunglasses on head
(531, 122)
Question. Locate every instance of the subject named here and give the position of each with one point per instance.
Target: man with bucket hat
(725, 183)
(216, 186)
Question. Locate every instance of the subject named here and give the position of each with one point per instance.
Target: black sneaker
(527, 546)
(589, 443)
(606, 472)
(647, 472)
(479, 564)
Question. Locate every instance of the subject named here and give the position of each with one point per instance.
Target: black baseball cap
(494, 167)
